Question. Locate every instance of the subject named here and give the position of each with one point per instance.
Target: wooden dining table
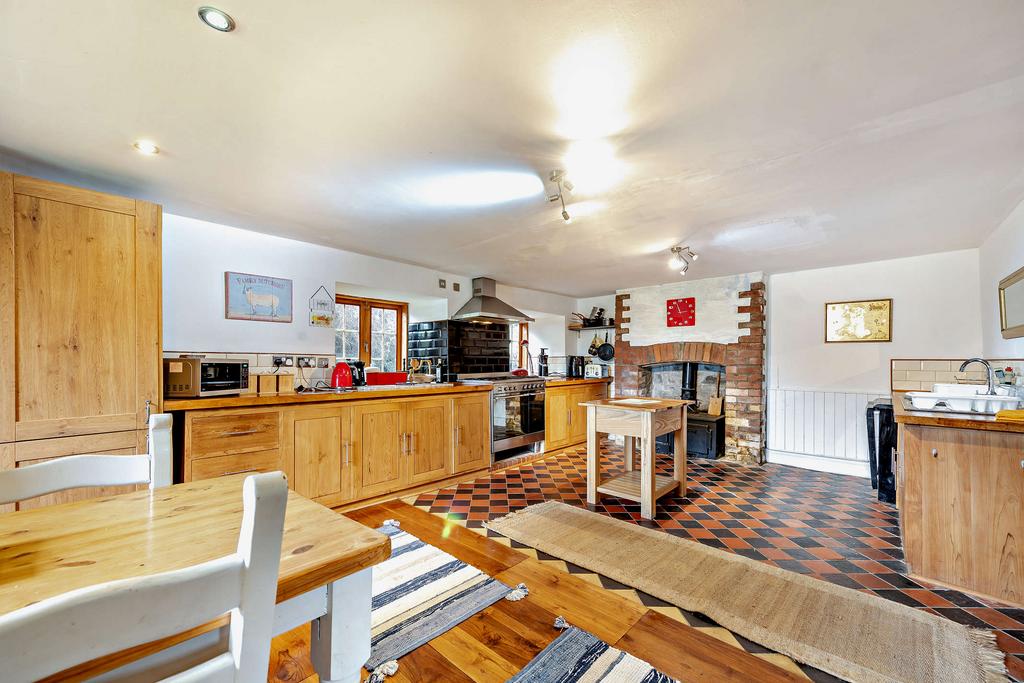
(324, 577)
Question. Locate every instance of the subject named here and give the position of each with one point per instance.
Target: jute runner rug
(849, 634)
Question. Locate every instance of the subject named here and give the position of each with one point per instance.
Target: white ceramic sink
(962, 402)
(966, 389)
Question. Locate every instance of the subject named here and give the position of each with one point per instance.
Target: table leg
(340, 640)
(647, 501)
(593, 457)
(679, 457)
(628, 446)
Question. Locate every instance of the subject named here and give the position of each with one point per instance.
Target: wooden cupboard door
(378, 447)
(578, 419)
(116, 443)
(556, 418)
(86, 270)
(472, 418)
(429, 446)
(8, 395)
(997, 512)
(320, 452)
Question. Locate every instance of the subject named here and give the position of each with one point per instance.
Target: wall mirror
(1011, 305)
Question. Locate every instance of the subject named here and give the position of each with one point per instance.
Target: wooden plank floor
(500, 640)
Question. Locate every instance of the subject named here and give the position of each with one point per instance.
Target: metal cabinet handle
(458, 437)
(412, 443)
(240, 433)
(346, 452)
(570, 415)
(228, 474)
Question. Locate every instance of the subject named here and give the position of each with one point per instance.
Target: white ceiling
(771, 135)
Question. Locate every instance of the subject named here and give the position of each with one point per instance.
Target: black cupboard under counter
(705, 436)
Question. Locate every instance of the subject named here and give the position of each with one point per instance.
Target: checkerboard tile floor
(828, 526)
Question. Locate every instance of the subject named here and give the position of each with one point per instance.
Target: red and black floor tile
(824, 525)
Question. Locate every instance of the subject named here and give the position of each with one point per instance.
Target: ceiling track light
(557, 176)
(682, 257)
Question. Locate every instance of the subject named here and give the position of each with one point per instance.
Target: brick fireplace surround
(744, 371)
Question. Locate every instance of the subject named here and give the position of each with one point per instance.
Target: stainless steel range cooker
(517, 409)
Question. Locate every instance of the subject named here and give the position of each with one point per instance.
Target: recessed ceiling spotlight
(217, 19)
(147, 147)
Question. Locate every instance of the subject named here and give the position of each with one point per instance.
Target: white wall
(716, 319)
(197, 253)
(817, 392)
(1001, 254)
(935, 315)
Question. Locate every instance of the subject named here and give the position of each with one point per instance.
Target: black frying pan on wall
(606, 351)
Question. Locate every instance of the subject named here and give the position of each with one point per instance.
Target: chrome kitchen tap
(988, 368)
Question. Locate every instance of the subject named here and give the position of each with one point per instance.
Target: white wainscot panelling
(824, 430)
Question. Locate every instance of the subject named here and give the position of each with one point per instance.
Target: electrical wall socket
(323, 362)
(284, 361)
(456, 286)
(306, 361)
(442, 283)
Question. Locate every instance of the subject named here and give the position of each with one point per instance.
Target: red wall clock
(681, 312)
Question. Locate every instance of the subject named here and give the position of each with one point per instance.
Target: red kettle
(341, 378)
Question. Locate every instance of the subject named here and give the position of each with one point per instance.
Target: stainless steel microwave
(199, 377)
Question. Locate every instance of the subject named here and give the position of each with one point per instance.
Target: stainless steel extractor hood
(484, 307)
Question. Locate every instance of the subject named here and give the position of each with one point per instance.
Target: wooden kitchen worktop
(648, 405)
(953, 420)
(570, 382)
(249, 400)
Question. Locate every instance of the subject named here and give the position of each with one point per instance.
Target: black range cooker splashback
(464, 347)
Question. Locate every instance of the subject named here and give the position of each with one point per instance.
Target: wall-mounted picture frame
(869, 320)
(257, 297)
(321, 308)
(1011, 305)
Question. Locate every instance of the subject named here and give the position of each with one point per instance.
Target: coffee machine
(358, 368)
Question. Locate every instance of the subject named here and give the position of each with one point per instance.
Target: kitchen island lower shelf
(627, 486)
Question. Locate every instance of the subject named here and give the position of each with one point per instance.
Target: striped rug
(579, 656)
(421, 592)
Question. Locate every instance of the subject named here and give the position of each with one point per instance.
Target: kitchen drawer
(223, 465)
(235, 433)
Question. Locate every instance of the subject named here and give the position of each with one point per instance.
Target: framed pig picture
(257, 297)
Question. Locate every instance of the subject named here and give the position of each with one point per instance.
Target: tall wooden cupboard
(79, 323)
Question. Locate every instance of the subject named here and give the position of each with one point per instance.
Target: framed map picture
(257, 297)
(858, 321)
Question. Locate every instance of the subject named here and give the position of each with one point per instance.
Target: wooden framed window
(519, 333)
(370, 330)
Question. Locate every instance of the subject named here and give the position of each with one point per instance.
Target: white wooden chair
(60, 632)
(74, 471)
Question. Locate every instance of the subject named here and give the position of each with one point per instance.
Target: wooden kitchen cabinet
(565, 420)
(471, 416)
(223, 442)
(378, 447)
(321, 452)
(962, 508)
(429, 444)
(79, 311)
(340, 452)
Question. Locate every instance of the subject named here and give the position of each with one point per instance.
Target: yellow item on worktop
(1010, 416)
